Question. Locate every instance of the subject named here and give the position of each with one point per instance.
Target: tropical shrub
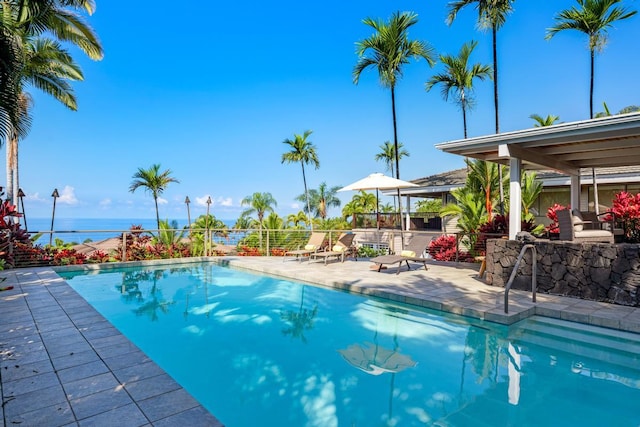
(368, 252)
(626, 208)
(444, 249)
(553, 216)
(68, 256)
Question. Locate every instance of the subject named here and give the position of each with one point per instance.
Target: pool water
(257, 350)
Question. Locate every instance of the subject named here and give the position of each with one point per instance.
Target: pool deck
(63, 364)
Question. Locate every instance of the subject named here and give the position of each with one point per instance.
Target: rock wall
(595, 271)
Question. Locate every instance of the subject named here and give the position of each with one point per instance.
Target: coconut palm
(458, 78)
(154, 182)
(260, 204)
(350, 209)
(387, 154)
(298, 220)
(544, 121)
(491, 14)
(304, 152)
(593, 18)
(366, 201)
(30, 58)
(322, 199)
(387, 50)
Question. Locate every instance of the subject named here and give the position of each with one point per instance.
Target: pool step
(619, 347)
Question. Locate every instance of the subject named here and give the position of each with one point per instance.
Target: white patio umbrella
(378, 181)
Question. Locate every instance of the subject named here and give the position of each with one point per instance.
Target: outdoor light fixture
(55, 195)
(24, 215)
(187, 201)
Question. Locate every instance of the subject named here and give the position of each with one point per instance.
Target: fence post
(124, 246)
(268, 252)
(457, 246)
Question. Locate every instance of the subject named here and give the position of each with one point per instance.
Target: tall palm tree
(23, 52)
(322, 199)
(491, 14)
(544, 121)
(48, 67)
(304, 152)
(387, 154)
(153, 181)
(387, 50)
(593, 18)
(458, 78)
(260, 204)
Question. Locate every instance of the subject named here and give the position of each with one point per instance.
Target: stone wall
(595, 271)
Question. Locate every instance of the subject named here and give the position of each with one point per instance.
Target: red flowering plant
(553, 216)
(444, 249)
(626, 208)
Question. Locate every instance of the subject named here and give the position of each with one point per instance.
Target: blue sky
(211, 89)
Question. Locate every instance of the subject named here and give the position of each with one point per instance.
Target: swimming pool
(257, 350)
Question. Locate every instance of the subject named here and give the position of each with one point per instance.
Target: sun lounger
(412, 252)
(343, 248)
(317, 242)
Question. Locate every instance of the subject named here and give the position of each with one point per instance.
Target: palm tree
(350, 209)
(38, 61)
(322, 199)
(387, 154)
(153, 181)
(544, 121)
(304, 152)
(458, 78)
(531, 189)
(491, 14)
(259, 203)
(593, 18)
(388, 50)
(297, 219)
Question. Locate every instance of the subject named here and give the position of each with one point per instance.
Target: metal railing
(514, 272)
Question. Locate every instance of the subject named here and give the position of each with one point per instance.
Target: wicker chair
(572, 228)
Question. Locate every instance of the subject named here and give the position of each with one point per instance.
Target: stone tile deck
(63, 364)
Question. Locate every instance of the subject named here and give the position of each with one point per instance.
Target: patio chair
(572, 228)
(603, 221)
(343, 248)
(413, 251)
(317, 242)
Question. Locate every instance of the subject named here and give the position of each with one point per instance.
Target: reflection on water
(252, 348)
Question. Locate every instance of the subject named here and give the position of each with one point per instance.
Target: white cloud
(68, 196)
(227, 202)
(295, 206)
(202, 201)
(105, 203)
(34, 197)
(162, 201)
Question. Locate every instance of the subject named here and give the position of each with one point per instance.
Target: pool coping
(62, 363)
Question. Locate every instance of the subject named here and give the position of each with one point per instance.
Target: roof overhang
(606, 142)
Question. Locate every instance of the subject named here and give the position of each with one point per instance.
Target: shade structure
(378, 181)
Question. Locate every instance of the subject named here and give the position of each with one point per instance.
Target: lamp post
(187, 201)
(24, 215)
(55, 195)
(207, 223)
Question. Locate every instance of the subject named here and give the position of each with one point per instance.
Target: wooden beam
(537, 158)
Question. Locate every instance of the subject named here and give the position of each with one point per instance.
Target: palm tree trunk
(395, 146)
(494, 34)
(12, 146)
(306, 195)
(593, 170)
(591, 85)
(464, 119)
(155, 199)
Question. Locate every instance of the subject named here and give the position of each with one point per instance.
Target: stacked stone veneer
(595, 271)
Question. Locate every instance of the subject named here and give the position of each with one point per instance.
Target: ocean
(78, 230)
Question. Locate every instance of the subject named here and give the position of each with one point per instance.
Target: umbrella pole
(377, 211)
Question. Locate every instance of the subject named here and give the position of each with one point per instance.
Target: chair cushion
(310, 248)
(410, 254)
(339, 248)
(593, 233)
(577, 222)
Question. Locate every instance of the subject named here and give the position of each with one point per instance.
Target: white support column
(575, 192)
(515, 197)
(408, 220)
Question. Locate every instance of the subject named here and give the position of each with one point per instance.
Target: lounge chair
(412, 252)
(572, 228)
(343, 248)
(317, 242)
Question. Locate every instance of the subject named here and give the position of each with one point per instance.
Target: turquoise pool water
(262, 351)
